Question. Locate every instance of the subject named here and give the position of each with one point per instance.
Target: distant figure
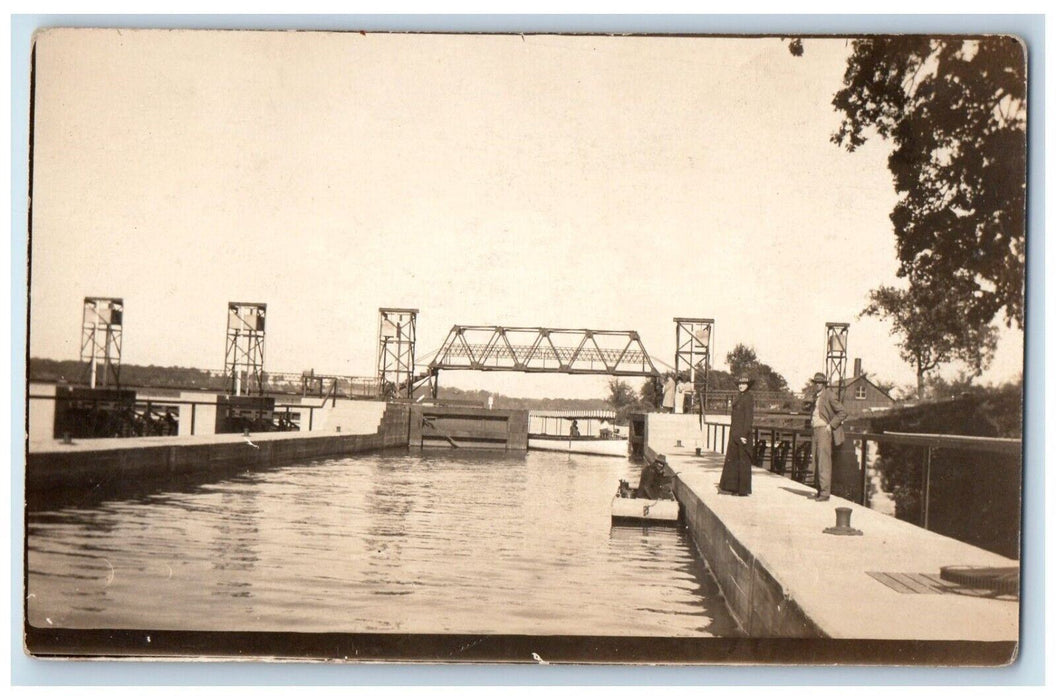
(491, 401)
(171, 425)
(737, 469)
(827, 429)
(680, 396)
(669, 395)
(574, 430)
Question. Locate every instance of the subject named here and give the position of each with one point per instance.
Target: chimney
(857, 367)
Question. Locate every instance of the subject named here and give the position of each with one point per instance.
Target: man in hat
(826, 422)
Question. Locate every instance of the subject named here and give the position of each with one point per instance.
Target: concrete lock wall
(758, 602)
(58, 466)
(468, 428)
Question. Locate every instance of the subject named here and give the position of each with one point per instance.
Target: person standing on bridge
(737, 469)
(680, 396)
(826, 424)
(669, 395)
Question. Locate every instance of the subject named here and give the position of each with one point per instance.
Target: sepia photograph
(527, 348)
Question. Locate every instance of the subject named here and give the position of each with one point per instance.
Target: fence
(287, 383)
(148, 419)
(977, 478)
(721, 400)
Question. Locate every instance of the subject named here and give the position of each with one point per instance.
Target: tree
(743, 361)
(959, 386)
(932, 330)
(651, 393)
(954, 110)
(620, 394)
(884, 385)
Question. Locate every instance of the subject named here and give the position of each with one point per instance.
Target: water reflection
(438, 542)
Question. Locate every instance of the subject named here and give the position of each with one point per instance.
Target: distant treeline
(511, 402)
(75, 372)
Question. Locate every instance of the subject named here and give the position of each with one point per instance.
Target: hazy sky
(540, 180)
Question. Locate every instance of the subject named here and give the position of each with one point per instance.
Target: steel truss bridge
(541, 350)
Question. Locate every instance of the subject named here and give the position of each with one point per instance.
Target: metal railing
(286, 383)
(288, 414)
(787, 451)
(721, 400)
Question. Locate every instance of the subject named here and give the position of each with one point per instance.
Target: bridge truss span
(536, 349)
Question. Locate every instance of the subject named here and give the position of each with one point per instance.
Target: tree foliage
(933, 330)
(974, 495)
(743, 361)
(651, 393)
(620, 394)
(954, 110)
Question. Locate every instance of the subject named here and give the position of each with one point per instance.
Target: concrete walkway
(827, 576)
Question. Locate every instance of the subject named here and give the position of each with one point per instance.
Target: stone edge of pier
(766, 595)
(757, 601)
(56, 466)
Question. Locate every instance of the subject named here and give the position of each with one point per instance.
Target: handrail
(935, 440)
(164, 401)
(971, 442)
(798, 455)
(287, 408)
(274, 382)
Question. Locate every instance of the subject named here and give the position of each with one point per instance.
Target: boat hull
(644, 511)
(607, 448)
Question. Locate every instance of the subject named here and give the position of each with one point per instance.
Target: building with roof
(861, 395)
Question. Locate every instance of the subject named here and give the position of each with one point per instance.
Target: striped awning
(577, 414)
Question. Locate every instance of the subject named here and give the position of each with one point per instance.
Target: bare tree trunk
(920, 383)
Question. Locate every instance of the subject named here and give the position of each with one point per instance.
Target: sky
(577, 182)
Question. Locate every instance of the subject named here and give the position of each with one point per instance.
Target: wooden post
(927, 486)
(865, 473)
(773, 447)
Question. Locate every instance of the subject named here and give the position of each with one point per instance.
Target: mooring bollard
(339, 428)
(698, 451)
(66, 439)
(245, 432)
(843, 524)
(678, 443)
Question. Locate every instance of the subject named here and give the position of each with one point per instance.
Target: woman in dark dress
(737, 469)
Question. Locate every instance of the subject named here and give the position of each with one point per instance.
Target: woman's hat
(744, 380)
(819, 378)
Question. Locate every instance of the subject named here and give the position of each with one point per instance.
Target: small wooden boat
(652, 502)
(644, 511)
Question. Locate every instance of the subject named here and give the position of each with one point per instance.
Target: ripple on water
(391, 541)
